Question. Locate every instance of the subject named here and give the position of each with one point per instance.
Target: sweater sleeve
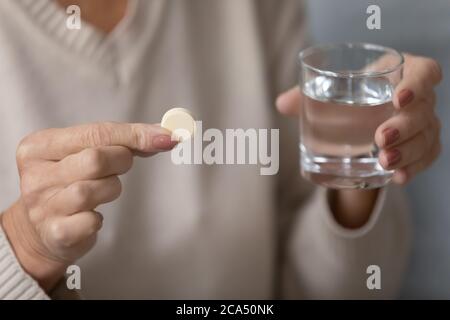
(15, 283)
(325, 260)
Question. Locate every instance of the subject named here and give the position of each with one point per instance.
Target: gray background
(421, 27)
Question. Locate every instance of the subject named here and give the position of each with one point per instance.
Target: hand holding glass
(348, 90)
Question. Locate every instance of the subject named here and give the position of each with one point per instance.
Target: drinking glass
(348, 90)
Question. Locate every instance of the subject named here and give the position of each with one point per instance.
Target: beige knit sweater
(188, 231)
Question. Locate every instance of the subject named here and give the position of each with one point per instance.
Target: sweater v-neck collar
(111, 52)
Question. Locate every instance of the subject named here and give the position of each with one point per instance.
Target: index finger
(57, 143)
(419, 76)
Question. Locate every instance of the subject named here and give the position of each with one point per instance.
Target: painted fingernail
(392, 156)
(404, 97)
(164, 142)
(390, 136)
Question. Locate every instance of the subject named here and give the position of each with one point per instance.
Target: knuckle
(80, 192)
(59, 234)
(139, 140)
(94, 160)
(435, 68)
(36, 215)
(98, 134)
(28, 186)
(31, 183)
(23, 151)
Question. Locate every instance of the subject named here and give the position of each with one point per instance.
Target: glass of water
(348, 90)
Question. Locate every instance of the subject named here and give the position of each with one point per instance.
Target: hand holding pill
(65, 174)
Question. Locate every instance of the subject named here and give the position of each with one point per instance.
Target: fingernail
(404, 97)
(390, 136)
(392, 156)
(164, 142)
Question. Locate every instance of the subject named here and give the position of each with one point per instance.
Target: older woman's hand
(409, 141)
(65, 174)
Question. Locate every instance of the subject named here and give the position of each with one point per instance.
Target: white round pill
(180, 122)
